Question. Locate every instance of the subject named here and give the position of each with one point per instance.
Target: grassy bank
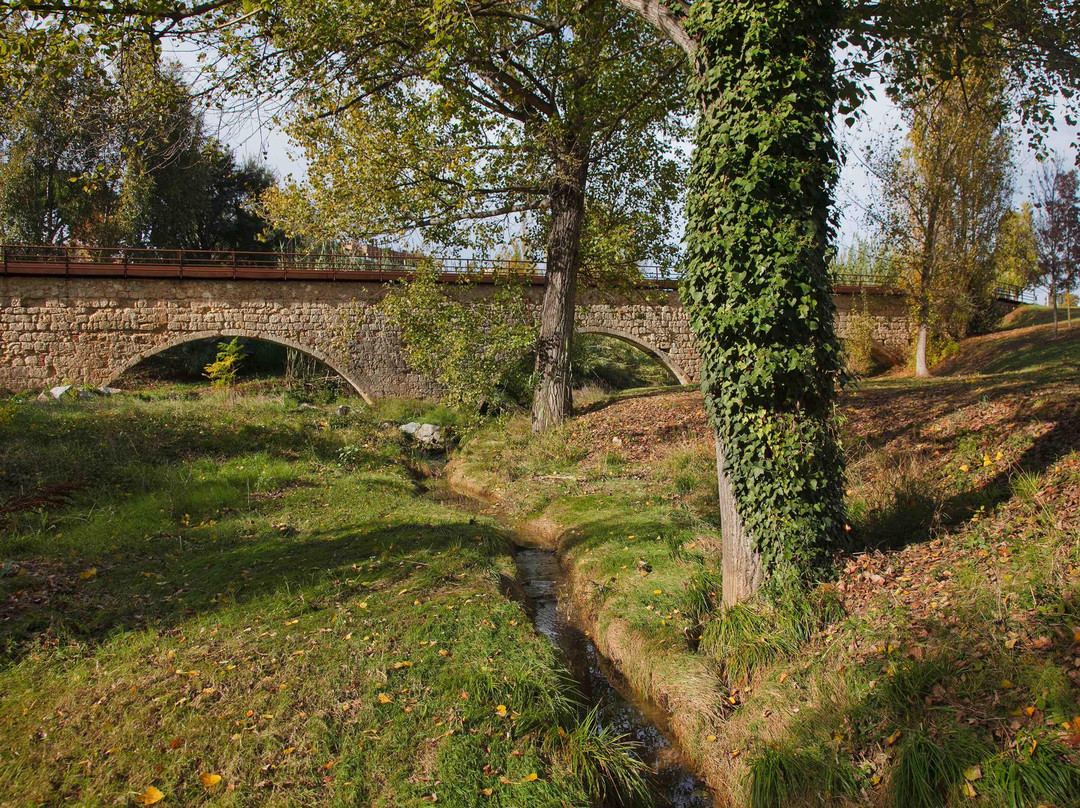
(939, 666)
(211, 600)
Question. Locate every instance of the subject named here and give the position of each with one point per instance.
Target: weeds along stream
(616, 707)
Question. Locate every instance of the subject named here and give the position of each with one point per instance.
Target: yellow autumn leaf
(973, 774)
(362, 604)
(658, 591)
(487, 792)
(529, 777)
(150, 796)
(969, 790)
(710, 738)
(964, 467)
(385, 699)
(209, 780)
(291, 622)
(400, 665)
(90, 573)
(501, 711)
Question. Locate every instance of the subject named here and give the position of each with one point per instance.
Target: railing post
(180, 269)
(3, 252)
(234, 265)
(67, 262)
(124, 256)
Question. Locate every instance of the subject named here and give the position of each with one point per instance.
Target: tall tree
(453, 120)
(945, 194)
(1016, 253)
(1057, 229)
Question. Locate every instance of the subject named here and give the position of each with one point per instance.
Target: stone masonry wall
(91, 330)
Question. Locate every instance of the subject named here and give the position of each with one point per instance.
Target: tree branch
(666, 21)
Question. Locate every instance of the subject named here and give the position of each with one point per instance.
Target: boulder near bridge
(86, 315)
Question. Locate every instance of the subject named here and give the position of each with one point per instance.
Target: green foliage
(1016, 254)
(469, 347)
(222, 371)
(615, 365)
(781, 777)
(1033, 774)
(757, 288)
(433, 126)
(945, 193)
(931, 765)
(115, 153)
(308, 379)
(745, 637)
(603, 760)
(859, 343)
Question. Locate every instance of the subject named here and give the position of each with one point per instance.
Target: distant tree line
(116, 152)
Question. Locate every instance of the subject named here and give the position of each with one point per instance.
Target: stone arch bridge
(89, 318)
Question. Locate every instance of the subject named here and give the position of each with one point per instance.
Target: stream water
(544, 581)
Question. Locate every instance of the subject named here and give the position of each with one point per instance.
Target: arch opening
(607, 361)
(184, 357)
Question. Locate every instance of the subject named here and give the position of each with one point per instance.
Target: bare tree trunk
(921, 369)
(552, 399)
(742, 568)
(1054, 299)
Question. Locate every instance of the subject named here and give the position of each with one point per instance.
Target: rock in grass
(427, 434)
(306, 406)
(108, 391)
(60, 391)
(343, 410)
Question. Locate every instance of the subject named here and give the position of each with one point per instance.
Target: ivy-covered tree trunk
(757, 289)
(552, 398)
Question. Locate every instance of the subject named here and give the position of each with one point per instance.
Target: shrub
(858, 344)
(222, 371)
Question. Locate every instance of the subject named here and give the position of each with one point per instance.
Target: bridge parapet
(90, 326)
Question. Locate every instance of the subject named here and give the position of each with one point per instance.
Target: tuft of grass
(1025, 485)
(1036, 774)
(701, 595)
(896, 503)
(747, 636)
(931, 765)
(603, 760)
(782, 777)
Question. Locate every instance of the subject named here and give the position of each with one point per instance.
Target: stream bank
(549, 589)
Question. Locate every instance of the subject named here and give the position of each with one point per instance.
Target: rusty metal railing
(364, 263)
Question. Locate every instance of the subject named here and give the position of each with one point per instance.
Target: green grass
(223, 592)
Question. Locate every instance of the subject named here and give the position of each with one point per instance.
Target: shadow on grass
(158, 590)
(915, 511)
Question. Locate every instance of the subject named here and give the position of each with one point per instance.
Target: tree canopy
(116, 154)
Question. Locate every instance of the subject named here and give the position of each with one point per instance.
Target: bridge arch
(662, 357)
(180, 339)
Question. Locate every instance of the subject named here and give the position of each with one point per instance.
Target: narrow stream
(544, 581)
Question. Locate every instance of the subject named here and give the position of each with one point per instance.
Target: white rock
(108, 391)
(410, 428)
(60, 391)
(429, 435)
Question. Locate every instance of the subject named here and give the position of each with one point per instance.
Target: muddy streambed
(673, 784)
